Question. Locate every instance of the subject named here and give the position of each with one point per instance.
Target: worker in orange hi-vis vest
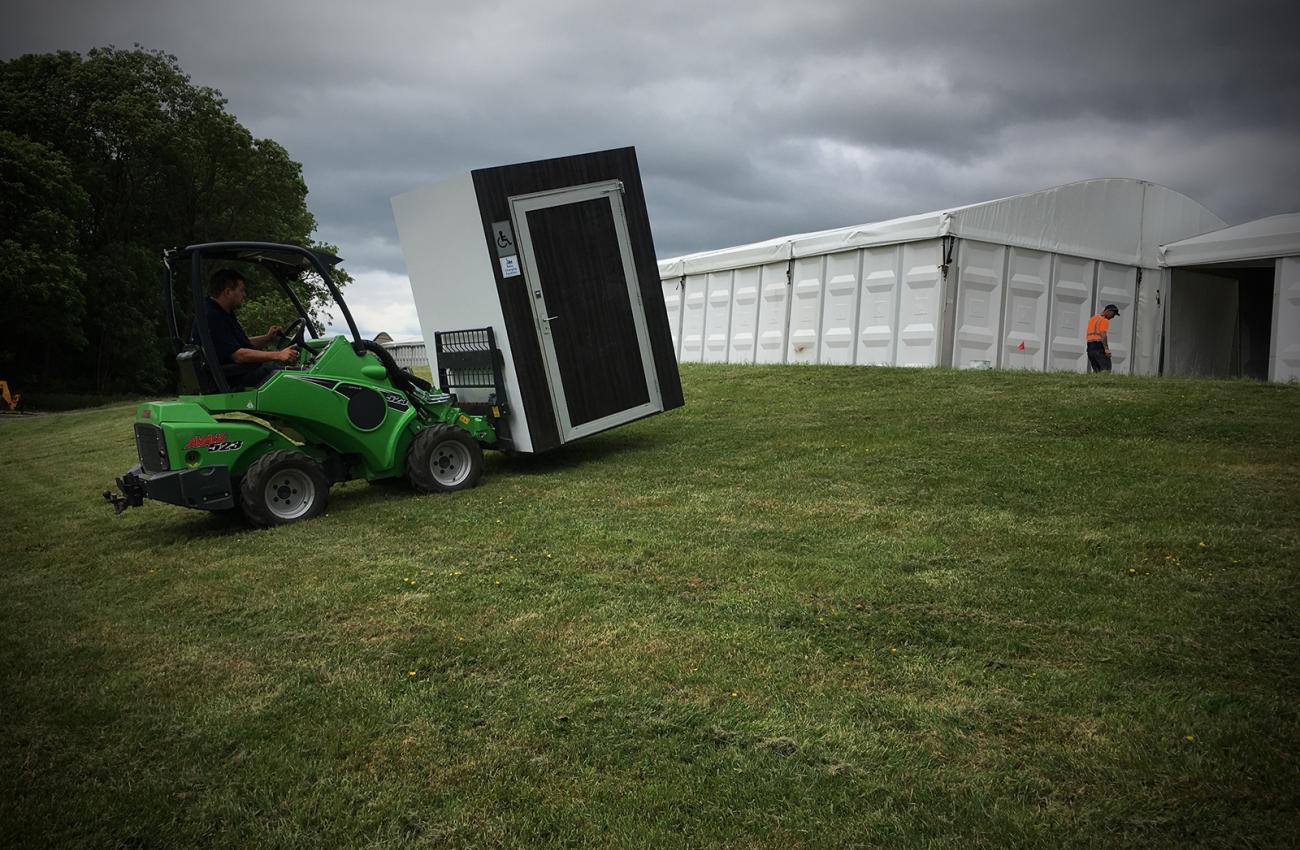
(1098, 339)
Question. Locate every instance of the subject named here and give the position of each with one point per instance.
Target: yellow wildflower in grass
(734, 694)
(411, 674)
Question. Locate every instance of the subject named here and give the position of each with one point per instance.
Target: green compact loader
(345, 410)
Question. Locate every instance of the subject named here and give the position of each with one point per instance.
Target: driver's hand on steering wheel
(275, 329)
(288, 355)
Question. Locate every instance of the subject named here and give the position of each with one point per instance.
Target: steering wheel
(293, 333)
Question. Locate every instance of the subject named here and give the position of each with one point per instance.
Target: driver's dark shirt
(227, 334)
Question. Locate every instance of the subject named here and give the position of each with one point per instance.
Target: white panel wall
(840, 307)
(1024, 321)
(672, 288)
(980, 273)
(1118, 285)
(878, 310)
(744, 315)
(453, 282)
(773, 312)
(805, 309)
(1072, 290)
(717, 317)
(1149, 321)
(1284, 360)
(694, 301)
(920, 304)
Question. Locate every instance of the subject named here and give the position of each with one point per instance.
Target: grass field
(817, 607)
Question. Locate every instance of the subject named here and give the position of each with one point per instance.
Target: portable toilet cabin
(552, 264)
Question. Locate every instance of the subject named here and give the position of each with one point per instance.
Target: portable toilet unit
(538, 293)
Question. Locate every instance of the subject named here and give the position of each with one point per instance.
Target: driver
(241, 356)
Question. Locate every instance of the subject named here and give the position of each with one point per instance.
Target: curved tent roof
(1119, 219)
(1263, 238)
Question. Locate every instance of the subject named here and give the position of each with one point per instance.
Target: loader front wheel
(443, 459)
(282, 487)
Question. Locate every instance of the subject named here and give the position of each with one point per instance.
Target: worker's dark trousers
(250, 376)
(1097, 359)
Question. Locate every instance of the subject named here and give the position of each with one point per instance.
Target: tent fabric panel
(878, 306)
(840, 307)
(805, 310)
(670, 269)
(1168, 215)
(913, 228)
(920, 304)
(1024, 321)
(738, 257)
(1284, 362)
(744, 315)
(981, 271)
(773, 312)
(1118, 285)
(1065, 220)
(717, 317)
(694, 304)
(1072, 297)
(1149, 321)
(672, 289)
(1263, 238)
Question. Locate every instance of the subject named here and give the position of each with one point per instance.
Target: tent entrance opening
(1220, 321)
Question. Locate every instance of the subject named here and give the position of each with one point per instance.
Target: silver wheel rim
(449, 463)
(289, 493)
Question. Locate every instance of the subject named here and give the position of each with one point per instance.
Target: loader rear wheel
(282, 487)
(443, 459)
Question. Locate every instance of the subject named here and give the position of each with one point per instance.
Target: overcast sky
(751, 120)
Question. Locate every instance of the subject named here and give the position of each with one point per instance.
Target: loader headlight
(191, 458)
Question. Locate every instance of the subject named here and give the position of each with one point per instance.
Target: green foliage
(40, 278)
(818, 607)
(125, 156)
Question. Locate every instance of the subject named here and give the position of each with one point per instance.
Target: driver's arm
(253, 355)
(263, 339)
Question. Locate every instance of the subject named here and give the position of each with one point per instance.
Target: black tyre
(443, 459)
(282, 487)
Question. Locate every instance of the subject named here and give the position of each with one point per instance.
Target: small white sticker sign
(510, 266)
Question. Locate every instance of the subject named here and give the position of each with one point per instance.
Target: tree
(40, 277)
(159, 162)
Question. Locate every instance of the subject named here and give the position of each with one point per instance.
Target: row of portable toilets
(937, 302)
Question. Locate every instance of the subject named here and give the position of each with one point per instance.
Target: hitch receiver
(132, 496)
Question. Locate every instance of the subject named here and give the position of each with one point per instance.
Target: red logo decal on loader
(207, 440)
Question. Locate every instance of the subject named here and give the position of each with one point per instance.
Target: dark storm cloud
(752, 119)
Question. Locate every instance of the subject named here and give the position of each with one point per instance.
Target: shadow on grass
(574, 455)
(356, 496)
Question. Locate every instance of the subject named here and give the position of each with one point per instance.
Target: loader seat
(194, 374)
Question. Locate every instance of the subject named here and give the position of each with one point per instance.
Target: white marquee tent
(1007, 283)
(1234, 305)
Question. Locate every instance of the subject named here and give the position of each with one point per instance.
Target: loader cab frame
(201, 371)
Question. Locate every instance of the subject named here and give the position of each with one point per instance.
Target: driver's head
(226, 287)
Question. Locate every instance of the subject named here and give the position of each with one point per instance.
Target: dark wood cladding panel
(494, 187)
(581, 268)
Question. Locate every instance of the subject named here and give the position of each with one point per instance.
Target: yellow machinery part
(10, 399)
